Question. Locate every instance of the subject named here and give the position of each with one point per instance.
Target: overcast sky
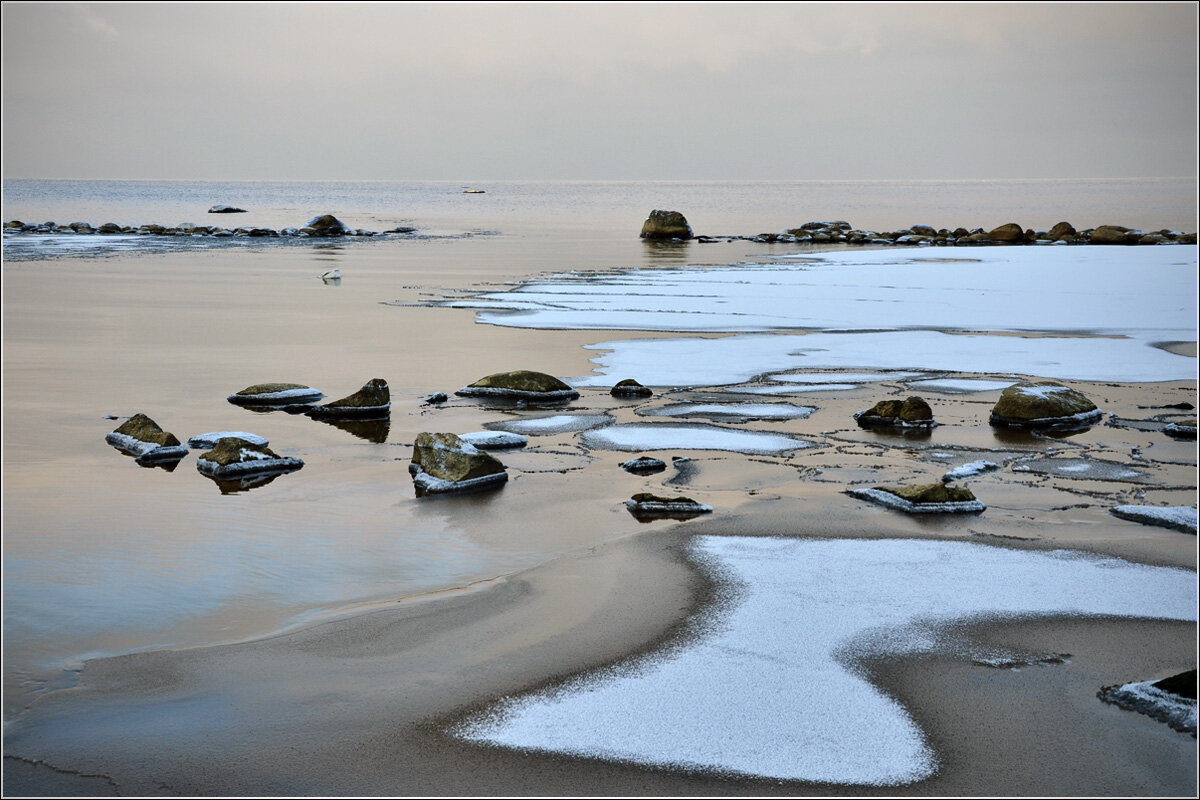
(396, 91)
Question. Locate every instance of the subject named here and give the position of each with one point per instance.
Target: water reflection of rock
(245, 484)
(373, 430)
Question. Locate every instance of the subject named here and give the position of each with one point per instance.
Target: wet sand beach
(322, 634)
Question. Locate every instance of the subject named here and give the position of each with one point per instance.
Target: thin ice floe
(969, 470)
(641, 436)
(205, 441)
(768, 686)
(1179, 518)
(493, 440)
(842, 377)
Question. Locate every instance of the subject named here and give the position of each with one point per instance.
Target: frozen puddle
(767, 687)
(1082, 468)
(549, 426)
(640, 436)
(730, 411)
(960, 385)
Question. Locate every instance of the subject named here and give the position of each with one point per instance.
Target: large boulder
(275, 394)
(1012, 233)
(443, 462)
(1062, 231)
(630, 388)
(1110, 234)
(372, 401)
(912, 412)
(666, 225)
(520, 384)
(141, 437)
(1045, 404)
(233, 457)
(326, 225)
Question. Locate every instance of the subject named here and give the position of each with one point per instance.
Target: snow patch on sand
(767, 688)
(641, 436)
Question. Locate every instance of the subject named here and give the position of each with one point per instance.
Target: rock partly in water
(222, 209)
(232, 457)
(520, 385)
(372, 401)
(644, 465)
(651, 506)
(141, 437)
(206, 441)
(1184, 429)
(443, 462)
(929, 498)
(667, 225)
(326, 225)
(913, 412)
(1177, 518)
(630, 388)
(1011, 233)
(1171, 700)
(1044, 405)
(275, 394)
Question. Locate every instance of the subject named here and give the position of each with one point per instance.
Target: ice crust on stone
(1180, 518)
(969, 470)
(889, 500)
(1146, 698)
(637, 437)
(206, 441)
(767, 688)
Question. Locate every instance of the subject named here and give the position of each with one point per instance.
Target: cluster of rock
(325, 225)
(228, 454)
(673, 226)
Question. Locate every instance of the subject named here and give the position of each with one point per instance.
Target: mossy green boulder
(372, 400)
(912, 412)
(930, 493)
(232, 456)
(1044, 404)
(144, 429)
(275, 394)
(520, 384)
(443, 462)
(666, 225)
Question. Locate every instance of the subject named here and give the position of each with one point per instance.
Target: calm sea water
(102, 556)
(713, 208)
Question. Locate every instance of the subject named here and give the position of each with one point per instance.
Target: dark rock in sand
(648, 505)
(929, 498)
(436, 397)
(913, 412)
(520, 384)
(443, 462)
(372, 401)
(666, 225)
(232, 457)
(1044, 405)
(141, 436)
(219, 209)
(1171, 700)
(1183, 684)
(644, 465)
(275, 394)
(630, 388)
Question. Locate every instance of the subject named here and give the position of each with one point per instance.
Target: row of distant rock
(672, 225)
(319, 226)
